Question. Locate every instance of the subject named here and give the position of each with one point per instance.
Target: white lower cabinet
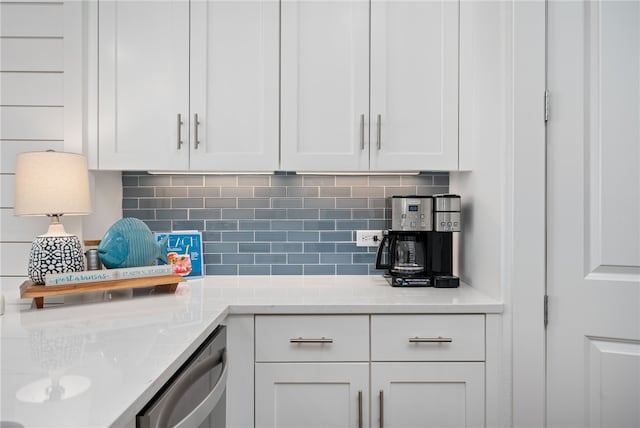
(312, 371)
(410, 394)
(312, 395)
(428, 370)
(370, 371)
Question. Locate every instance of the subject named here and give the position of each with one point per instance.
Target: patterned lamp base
(54, 254)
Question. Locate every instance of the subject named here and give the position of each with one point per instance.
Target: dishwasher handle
(206, 406)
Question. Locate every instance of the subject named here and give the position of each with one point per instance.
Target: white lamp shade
(51, 183)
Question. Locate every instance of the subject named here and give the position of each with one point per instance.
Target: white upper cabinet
(376, 92)
(188, 85)
(325, 85)
(414, 85)
(143, 84)
(265, 85)
(234, 85)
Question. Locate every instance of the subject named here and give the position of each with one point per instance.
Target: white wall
(31, 112)
(484, 89)
(42, 106)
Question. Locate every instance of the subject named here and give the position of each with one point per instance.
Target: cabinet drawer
(427, 338)
(312, 338)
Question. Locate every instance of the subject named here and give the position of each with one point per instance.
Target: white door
(234, 85)
(325, 85)
(414, 85)
(143, 85)
(439, 395)
(321, 395)
(593, 335)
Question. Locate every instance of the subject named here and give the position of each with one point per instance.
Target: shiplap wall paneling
(7, 183)
(31, 123)
(32, 54)
(14, 257)
(31, 19)
(32, 89)
(32, 58)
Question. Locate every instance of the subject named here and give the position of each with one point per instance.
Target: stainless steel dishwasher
(196, 395)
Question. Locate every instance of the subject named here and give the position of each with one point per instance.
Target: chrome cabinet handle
(206, 406)
(362, 132)
(381, 413)
(438, 339)
(196, 125)
(180, 123)
(301, 340)
(359, 409)
(379, 129)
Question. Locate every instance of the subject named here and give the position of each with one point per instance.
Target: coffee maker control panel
(447, 222)
(411, 213)
(446, 216)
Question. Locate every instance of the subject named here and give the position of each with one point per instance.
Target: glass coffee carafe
(407, 255)
(403, 253)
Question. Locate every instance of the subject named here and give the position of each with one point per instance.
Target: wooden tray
(167, 283)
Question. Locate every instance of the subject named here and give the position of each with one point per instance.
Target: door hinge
(546, 105)
(546, 310)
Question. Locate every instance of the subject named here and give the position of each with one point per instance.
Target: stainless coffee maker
(417, 251)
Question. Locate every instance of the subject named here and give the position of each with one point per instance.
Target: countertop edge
(265, 309)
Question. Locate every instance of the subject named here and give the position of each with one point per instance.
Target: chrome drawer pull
(301, 340)
(180, 123)
(438, 339)
(381, 408)
(359, 409)
(379, 129)
(362, 132)
(196, 125)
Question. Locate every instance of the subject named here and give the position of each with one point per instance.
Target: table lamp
(52, 183)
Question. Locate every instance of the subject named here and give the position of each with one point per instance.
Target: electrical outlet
(368, 238)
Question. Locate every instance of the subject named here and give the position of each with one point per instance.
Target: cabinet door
(234, 85)
(312, 395)
(143, 84)
(427, 394)
(414, 85)
(325, 85)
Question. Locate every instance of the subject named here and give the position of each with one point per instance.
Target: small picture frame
(184, 251)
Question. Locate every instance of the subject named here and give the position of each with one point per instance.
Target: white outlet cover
(368, 238)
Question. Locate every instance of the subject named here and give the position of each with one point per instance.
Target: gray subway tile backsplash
(352, 269)
(286, 269)
(319, 269)
(188, 224)
(254, 270)
(154, 181)
(281, 224)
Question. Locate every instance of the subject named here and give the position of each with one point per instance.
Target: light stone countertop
(112, 351)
